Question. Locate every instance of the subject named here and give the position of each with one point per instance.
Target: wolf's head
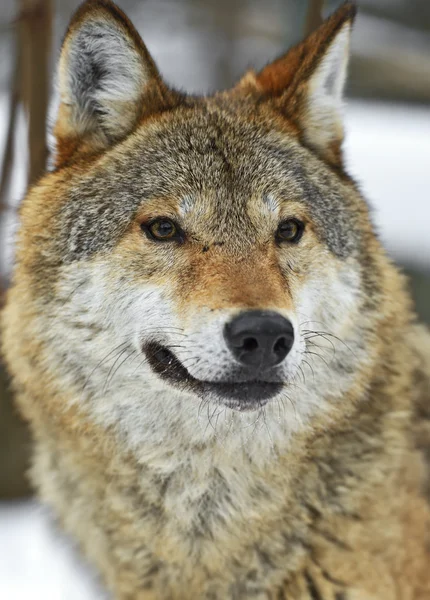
(200, 252)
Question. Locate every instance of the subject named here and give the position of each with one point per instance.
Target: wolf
(223, 373)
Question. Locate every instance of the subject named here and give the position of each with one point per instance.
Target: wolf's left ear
(106, 80)
(307, 83)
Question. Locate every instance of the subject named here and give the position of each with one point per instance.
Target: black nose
(259, 338)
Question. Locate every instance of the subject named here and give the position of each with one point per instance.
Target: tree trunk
(30, 87)
(35, 34)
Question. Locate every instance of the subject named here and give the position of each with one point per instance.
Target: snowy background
(201, 45)
(37, 562)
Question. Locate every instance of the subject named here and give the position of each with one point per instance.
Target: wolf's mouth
(241, 396)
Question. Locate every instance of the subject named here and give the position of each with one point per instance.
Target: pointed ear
(106, 79)
(307, 83)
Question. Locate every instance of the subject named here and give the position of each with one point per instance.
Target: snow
(388, 151)
(37, 562)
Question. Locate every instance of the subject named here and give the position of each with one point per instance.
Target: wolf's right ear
(106, 80)
(306, 84)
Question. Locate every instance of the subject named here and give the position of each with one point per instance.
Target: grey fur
(228, 161)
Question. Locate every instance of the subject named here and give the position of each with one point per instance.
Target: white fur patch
(101, 76)
(271, 203)
(325, 92)
(186, 206)
(152, 417)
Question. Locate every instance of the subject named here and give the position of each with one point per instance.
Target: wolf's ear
(106, 77)
(307, 83)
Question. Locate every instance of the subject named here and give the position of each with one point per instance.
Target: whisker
(313, 336)
(101, 362)
(279, 400)
(111, 369)
(303, 374)
(314, 345)
(310, 367)
(119, 366)
(292, 404)
(142, 362)
(175, 331)
(267, 428)
(335, 337)
(308, 352)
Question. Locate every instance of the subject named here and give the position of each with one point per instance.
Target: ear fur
(105, 75)
(307, 83)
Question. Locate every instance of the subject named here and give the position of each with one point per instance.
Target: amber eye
(290, 230)
(163, 230)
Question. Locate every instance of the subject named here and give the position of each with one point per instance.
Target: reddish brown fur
(285, 76)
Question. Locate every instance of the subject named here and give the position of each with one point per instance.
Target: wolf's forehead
(202, 163)
(209, 153)
(228, 162)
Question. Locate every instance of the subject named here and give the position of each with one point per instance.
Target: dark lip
(247, 395)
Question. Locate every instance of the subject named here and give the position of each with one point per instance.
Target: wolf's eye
(290, 230)
(163, 230)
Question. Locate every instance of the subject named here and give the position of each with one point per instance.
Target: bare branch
(314, 16)
(6, 170)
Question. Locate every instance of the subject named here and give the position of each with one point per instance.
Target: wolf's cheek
(330, 296)
(328, 305)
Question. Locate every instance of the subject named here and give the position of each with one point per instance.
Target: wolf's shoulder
(420, 341)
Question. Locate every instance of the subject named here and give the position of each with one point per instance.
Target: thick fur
(323, 492)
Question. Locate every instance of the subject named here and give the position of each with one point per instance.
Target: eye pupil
(163, 229)
(290, 230)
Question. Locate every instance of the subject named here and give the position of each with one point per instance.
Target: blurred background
(202, 45)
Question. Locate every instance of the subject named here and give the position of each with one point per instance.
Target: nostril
(282, 346)
(250, 344)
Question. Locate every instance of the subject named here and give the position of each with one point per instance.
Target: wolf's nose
(259, 338)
